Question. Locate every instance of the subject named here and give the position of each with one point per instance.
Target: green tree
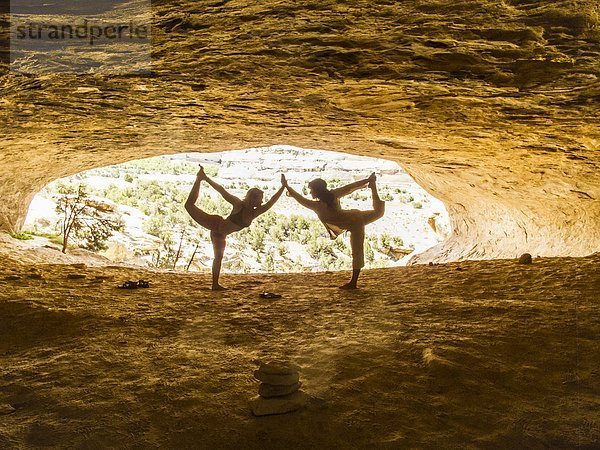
(84, 218)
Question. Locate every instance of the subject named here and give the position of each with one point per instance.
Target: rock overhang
(491, 106)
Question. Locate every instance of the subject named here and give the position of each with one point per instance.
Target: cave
(156, 232)
(492, 107)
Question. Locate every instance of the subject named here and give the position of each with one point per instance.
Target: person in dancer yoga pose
(243, 213)
(337, 220)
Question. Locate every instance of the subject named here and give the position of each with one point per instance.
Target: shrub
(358, 196)
(210, 170)
(333, 183)
(384, 241)
(369, 254)
(280, 230)
(282, 249)
(22, 236)
(256, 239)
(268, 264)
(342, 246)
(397, 241)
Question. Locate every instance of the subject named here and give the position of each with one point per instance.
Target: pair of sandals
(269, 295)
(134, 284)
(145, 284)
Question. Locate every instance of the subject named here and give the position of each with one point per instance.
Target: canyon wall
(493, 107)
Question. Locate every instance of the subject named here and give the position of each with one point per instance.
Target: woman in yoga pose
(337, 220)
(243, 213)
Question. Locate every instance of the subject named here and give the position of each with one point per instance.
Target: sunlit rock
(6, 409)
(525, 258)
(495, 112)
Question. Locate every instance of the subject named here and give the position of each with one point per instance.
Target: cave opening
(143, 200)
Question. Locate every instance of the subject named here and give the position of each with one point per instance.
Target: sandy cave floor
(496, 355)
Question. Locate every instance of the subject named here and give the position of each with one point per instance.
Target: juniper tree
(83, 218)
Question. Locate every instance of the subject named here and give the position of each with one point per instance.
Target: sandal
(269, 295)
(128, 285)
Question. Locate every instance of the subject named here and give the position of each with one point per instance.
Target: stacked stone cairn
(279, 391)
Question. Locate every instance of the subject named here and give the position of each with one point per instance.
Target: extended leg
(357, 241)
(209, 221)
(218, 242)
(366, 217)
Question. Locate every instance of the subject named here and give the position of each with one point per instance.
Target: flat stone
(6, 409)
(278, 368)
(270, 390)
(278, 405)
(277, 379)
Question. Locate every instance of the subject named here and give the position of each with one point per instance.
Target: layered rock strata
(493, 107)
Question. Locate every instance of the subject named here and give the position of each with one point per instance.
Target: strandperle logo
(87, 31)
(87, 36)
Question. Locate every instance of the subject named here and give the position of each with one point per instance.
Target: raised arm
(264, 208)
(221, 190)
(350, 188)
(310, 204)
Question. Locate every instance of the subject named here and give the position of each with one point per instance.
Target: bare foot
(218, 287)
(349, 286)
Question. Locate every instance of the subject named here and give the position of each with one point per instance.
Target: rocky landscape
(493, 107)
(414, 220)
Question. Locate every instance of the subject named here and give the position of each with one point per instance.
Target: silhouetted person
(243, 213)
(337, 220)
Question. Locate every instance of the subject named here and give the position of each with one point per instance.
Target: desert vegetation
(142, 201)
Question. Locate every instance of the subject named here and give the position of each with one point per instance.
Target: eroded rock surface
(497, 355)
(491, 106)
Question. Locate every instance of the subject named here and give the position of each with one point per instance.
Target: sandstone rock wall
(491, 106)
